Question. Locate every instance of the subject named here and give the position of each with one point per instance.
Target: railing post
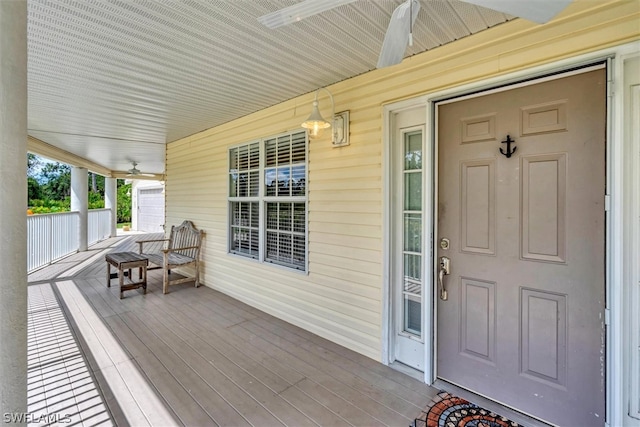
(111, 202)
(51, 246)
(13, 209)
(80, 203)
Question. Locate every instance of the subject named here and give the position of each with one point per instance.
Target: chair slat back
(185, 235)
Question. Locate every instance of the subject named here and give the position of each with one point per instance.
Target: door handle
(443, 270)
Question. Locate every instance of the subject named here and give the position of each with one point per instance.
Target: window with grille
(244, 189)
(268, 200)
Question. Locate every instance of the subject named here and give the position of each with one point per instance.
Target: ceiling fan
(134, 171)
(399, 32)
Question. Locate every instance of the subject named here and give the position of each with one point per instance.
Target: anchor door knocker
(509, 151)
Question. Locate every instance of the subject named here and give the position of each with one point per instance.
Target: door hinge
(607, 317)
(607, 203)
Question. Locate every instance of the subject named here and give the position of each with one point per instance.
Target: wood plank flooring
(60, 387)
(213, 360)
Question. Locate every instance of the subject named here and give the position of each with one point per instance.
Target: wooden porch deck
(198, 357)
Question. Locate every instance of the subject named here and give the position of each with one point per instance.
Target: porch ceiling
(113, 81)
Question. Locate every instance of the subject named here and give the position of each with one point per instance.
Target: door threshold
(408, 370)
(491, 405)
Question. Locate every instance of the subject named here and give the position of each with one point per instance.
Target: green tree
(34, 188)
(124, 202)
(96, 200)
(33, 165)
(57, 181)
(96, 183)
(49, 187)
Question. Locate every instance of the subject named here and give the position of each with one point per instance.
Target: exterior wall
(341, 297)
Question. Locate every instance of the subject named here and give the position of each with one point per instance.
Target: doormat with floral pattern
(446, 410)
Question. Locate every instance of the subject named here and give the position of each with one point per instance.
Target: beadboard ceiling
(113, 81)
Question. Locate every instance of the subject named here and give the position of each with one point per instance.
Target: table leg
(121, 280)
(144, 279)
(108, 275)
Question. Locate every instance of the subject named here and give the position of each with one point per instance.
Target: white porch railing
(50, 237)
(98, 225)
(53, 236)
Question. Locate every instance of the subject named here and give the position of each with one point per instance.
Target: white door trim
(618, 179)
(626, 131)
(633, 255)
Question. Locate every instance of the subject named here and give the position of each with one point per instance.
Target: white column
(111, 202)
(134, 204)
(13, 208)
(80, 202)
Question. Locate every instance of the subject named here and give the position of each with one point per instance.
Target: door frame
(619, 212)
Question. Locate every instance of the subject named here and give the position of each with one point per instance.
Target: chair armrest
(166, 251)
(141, 242)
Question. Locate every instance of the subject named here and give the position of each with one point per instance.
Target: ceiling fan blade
(134, 171)
(397, 36)
(299, 11)
(138, 174)
(540, 11)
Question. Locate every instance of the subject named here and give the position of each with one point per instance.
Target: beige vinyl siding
(341, 295)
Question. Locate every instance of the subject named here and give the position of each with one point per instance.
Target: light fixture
(339, 122)
(299, 11)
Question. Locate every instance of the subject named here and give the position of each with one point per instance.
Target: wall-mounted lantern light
(316, 124)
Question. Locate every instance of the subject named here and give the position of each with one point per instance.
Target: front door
(408, 260)
(523, 230)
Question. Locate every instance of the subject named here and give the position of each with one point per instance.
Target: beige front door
(523, 323)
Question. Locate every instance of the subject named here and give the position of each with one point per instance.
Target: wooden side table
(127, 261)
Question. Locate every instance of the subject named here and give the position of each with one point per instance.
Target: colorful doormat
(446, 410)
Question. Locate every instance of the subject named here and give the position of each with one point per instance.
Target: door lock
(444, 243)
(443, 270)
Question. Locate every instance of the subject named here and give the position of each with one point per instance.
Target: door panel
(477, 213)
(544, 337)
(544, 193)
(478, 319)
(523, 320)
